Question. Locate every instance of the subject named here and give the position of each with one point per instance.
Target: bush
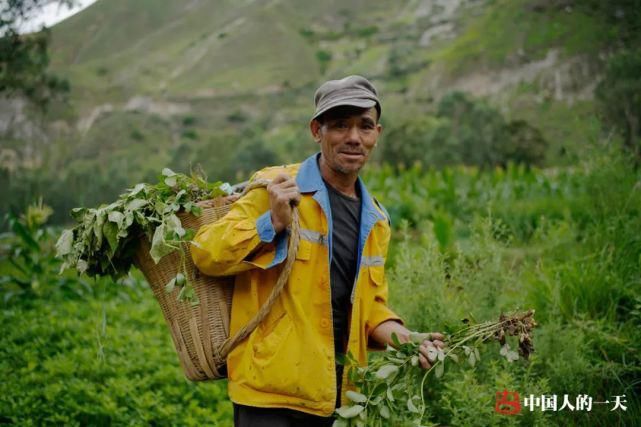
(464, 131)
(99, 362)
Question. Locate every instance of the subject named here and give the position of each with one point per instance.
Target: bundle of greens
(105, 239)
(391, 388)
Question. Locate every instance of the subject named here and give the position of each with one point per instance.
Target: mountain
(229, 84)
(166, 56)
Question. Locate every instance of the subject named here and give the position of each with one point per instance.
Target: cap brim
(354, 102)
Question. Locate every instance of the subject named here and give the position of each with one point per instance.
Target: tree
(619, 97)
(464, 130)
(24, 59)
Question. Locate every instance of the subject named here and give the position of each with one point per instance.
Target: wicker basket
(201, 332)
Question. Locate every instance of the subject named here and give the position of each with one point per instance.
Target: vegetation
(464, 131)
(24, 59)
(391, 388)
(468, 244)
(619, 96)
(529, 197)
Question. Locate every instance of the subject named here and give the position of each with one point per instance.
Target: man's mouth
(352, 154)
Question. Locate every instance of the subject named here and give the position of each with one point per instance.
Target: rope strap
(292, 248)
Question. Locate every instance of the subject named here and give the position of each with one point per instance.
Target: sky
(52, 14)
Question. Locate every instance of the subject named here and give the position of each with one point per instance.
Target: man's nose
(353, 135)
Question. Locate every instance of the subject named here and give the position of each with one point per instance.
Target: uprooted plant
(105, 239)
(391, 388)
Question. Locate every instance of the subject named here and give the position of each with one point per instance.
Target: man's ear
(315, 129)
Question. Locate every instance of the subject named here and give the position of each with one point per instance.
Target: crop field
(468, 245)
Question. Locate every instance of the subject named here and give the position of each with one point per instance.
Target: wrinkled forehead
(348, 112)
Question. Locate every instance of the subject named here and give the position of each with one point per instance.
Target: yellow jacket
(288, 360)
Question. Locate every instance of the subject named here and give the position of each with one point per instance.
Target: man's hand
(283, 195)
(383, 335)
(435, 341)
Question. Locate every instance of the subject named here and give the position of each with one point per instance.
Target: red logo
(507, 402)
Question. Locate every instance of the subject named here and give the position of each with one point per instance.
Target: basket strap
(292, 248)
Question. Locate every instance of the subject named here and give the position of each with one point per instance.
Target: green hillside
(229, 85)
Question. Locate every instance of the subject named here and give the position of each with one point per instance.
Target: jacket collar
(309, 180)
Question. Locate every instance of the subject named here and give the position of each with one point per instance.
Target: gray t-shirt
(346, 216)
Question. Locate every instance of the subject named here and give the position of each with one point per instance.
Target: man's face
(347, 135)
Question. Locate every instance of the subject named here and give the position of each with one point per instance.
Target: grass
(466, 244)
(512, 32)
(578, 270)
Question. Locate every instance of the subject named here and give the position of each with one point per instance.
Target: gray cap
(356, 91)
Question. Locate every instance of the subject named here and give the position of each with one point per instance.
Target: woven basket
(201, 332)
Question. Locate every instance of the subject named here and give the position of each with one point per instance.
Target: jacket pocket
(271, 340)
(304, 250)
(377, 275)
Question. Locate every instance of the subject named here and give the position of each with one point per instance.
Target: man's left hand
(435, 342)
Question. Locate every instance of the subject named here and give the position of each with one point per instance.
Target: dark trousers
(250, 416)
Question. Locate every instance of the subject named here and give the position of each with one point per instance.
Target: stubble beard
(345, 171)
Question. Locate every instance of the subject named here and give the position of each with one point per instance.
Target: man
(285, 373)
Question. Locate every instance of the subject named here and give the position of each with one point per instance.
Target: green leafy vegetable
(391, 389)
(105, 239)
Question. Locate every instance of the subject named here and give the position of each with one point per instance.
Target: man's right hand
(283, 195)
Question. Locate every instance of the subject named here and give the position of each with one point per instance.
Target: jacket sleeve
(380, 313)
(241, 240)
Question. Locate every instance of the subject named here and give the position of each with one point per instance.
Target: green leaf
(110, 231)
(174, 225)
(363, 415)
(180, 279)
(168, 172)
(386, 371)
(419, 337)
(170, 286)
(137, 189)
(82, 266)
(471, 359)
(411, 406)
(438, 369)
(196, 210)
(159, 247)
(116, 217)
(350, 411)
(64, 244)
(376, 400)
(395, 339)
(339, 423)
(78, 214)
(356, 397)
(170, 181)
(136, 204)
(194, 300)
(476, 354)
(24, 233)
(504, 349)
(453, 356)
(390, 394)
(384, 411)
